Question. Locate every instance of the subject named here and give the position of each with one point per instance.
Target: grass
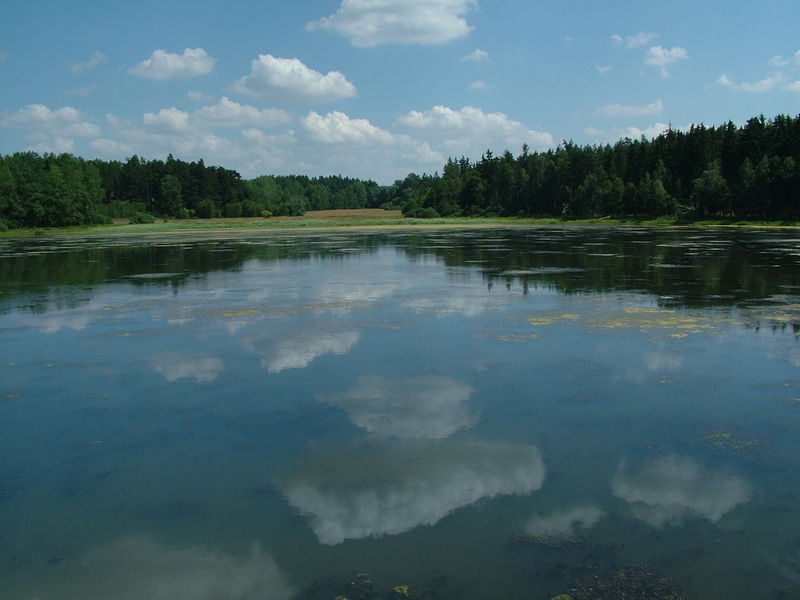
(376, 218)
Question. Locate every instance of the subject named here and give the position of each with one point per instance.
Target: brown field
(346, 214)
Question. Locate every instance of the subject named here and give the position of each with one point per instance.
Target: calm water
(491, 414)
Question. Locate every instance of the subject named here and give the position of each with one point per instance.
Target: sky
(376, 89)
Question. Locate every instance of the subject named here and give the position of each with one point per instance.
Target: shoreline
(357, 223)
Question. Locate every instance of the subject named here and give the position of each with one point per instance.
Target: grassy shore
(375, 219)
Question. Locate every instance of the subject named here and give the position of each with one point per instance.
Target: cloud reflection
(369, 492)
(139, 568)
(565, 522)
(173, 366)
(674, 488)
(422, 407)
(302, 350)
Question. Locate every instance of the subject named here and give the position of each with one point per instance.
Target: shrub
(142, 217)
(266, 214)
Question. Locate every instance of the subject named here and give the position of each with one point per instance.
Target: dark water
(492, 414)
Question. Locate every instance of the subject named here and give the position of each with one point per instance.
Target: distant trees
(748, 172)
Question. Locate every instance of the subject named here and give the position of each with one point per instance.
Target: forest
(745, 172)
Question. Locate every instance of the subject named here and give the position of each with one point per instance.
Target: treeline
(60, 190)
(748, 172)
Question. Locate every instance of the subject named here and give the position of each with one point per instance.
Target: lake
(494, 413)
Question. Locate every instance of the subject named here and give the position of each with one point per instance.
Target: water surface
(475, 414)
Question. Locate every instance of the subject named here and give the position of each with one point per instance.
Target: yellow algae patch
(645, 311)
(541, 321)
(401, 591)
(124, 335)
(239, 313)
(518, 338)
(11, 396)
(729, 441)
(671, 323)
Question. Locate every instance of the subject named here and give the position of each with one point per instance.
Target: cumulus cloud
(174, 366)
(51, 130)
(388, 490)
(227, 113)
(661, 57)
(421, 407)
(370, 149)
(479, 85)
(169, 120)
(603, 69)
(634, 41)
(169, 132)
(477, 56)
(564, 522)
(631, 110)
(780, 61)
(299, 349)
(671, 489)
(164, 65)
(289, 80)
(97, 58)
(139, 568)
(337, 127)
(471, 131)
(758, 87)
(371, 22)
(633, 133)
(199, 96)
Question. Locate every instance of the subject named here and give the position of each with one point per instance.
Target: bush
(3, 226)
(206, 209)
(266, 214)
(418, 212)
(185, 213)
(141, 217)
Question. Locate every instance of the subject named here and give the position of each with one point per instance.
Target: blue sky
(379, 88)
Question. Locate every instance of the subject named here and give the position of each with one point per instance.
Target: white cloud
(173, 366)
(199, 96)
(673, 488)
(477, 56)
(421, 407)
(289, 80)
(565, 522)
(108, 147)
(781, 62)
(134, 568)
(301, 349)
(164, 65)
(167, 120)
(603, 69)
(227, 113)
(661, 57)
(337, 127)
(97, 58)
(634, 41)
(758, 87)
(388, 490)
(479, 85)
(51, 130)
(170, 131)
(631, 110)
(371, 22)
(794, 86)
(471, 131)
(631, 132)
